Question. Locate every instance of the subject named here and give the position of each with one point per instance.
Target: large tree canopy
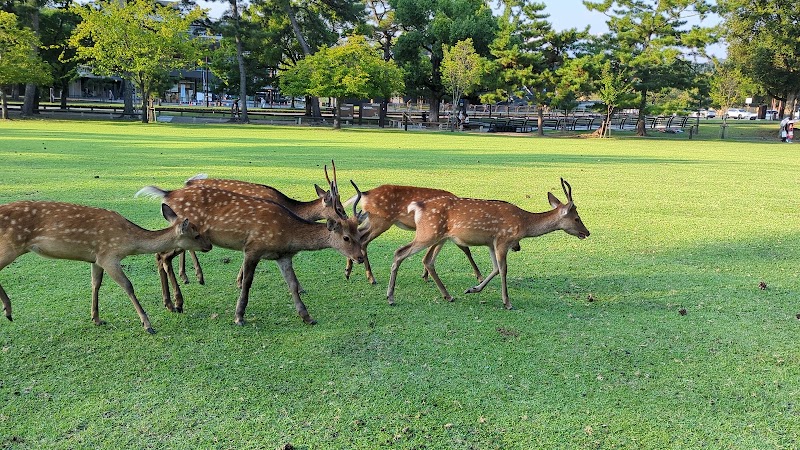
(141, 41)
(649, 39)
(763, 42)
(353, 69)
(19, 61)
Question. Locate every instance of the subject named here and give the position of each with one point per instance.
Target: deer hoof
(179, 309)
(150, 330)
(472, 290)
(201, 281)
(309, 320)
(449, 299)
(509, 306)
(9, 318)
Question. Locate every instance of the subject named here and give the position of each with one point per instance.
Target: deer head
(569, 220)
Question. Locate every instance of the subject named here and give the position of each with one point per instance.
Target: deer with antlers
(496, 224)
(327, 205)
(261, 229)
(98, 236)
(387, 205)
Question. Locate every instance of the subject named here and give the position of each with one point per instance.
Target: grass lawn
(594, 355)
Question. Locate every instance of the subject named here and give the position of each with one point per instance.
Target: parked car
(771, 114)
(736, 113)
(704, 113)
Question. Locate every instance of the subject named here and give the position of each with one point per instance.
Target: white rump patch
(151, 191)
(416, 208)
(199, 176)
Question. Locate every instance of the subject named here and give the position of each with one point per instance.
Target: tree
(428, 25)
(612, 91)
(141, 41)
(532, 60)
(649, 39)
(461, 70)
(56, 26)
(19, 60)
(763, 42)
(729, 86)
(351, 70)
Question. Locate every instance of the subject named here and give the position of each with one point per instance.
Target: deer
(496, 224)
(387, 205)
(327, 205)
(261, 229)
(94, 235)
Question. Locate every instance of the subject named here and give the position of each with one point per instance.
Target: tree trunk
(3, 104)
(29, 106)
(312, 103)
(128, 92)
(641, 129)
(337, 114)
(240, 59)
(540, 120)
(64, 93)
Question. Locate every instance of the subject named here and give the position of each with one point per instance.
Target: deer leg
(7, 258)
(432, 253)
(248, 270)
(376, 228)
(162, 275)
(492, 274)
(6, 303)
(399, 255)
(502, 253)
(198, 271)
(115, 272)
(475, 269)
(182, 268)
(97, 280)
(428, 261)
(285, 264)
(169, 272)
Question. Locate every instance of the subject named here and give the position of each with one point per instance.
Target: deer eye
(346, 239)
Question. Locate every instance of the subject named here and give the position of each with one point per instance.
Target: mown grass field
(594, 355)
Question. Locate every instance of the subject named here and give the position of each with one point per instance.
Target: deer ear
(185, 226)
(332, 225)
(554, 202)
(320, 192)
(168, 213)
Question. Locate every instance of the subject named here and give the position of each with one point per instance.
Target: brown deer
(82, 233)
(327, 206)
(387, 205)
(493, 223)
(262, 230)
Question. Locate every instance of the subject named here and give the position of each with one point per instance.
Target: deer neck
(311, 211)
(158, 241)
(541, 223)
(310, 236)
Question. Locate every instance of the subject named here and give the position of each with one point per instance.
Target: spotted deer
(387, 205)
(261, 229)
(94, 235)
(496, 224)
(327, 205)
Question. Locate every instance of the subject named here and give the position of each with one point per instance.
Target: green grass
(676, 224)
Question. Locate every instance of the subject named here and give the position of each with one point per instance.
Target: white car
(704, 113)
(736, 113)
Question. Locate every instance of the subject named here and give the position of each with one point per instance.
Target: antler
(334, 185)
(360, 215)
(567, 189)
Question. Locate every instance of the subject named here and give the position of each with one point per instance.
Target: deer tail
(151, 191)
(199, 176)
